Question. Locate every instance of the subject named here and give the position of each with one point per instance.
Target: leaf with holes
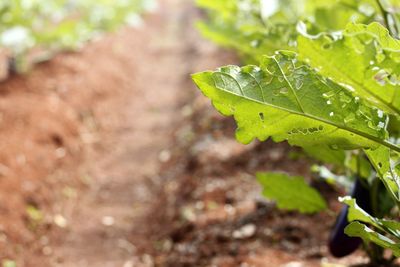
(287, 100)
(365, 58)
(384, 161)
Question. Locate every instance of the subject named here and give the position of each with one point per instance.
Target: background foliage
(51, 26)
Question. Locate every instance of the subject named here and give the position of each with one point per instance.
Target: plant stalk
(386, 14)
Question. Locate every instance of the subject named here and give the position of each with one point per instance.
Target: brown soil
(110, 157)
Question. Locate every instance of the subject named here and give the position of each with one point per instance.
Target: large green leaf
(365, 58)
(291, 193)
(326, 155)
(286, 100)
(357, 229)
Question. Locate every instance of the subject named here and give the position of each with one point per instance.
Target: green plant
(50, 26)
(328, 80)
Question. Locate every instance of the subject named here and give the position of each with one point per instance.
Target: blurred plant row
(258, 27)
(42, 27)
(324, 76)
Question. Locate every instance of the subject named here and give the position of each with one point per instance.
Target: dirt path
(106, 226)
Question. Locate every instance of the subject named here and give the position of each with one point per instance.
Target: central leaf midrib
(344, 127)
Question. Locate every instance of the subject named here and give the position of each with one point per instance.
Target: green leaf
(224, 8)
(357, 229)
(252, 42)
(392, 227)
(383, 160)
(291, 193)
(286, 100)
(365, 58)
(326, 155)
(356, 213)
(334, 15)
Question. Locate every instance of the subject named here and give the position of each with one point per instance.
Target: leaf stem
(386, 15)
(391, 146)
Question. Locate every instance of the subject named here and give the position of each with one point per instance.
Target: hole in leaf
(261, 116)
